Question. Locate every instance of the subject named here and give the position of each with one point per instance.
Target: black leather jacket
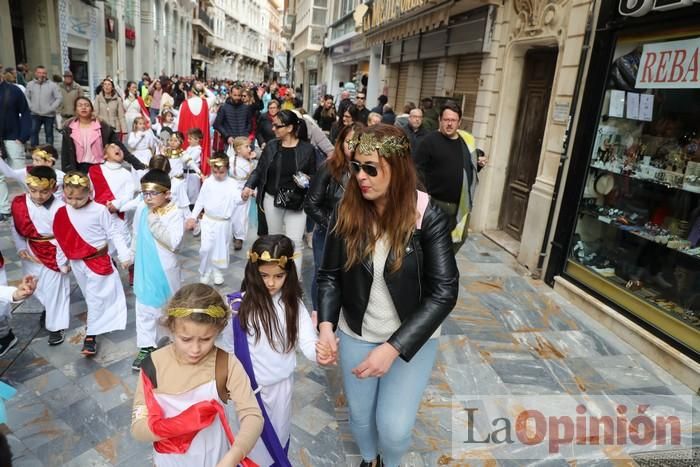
(324, 195)
(424, 290)
(305, 159)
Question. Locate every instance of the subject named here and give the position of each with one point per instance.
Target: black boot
(377, 462)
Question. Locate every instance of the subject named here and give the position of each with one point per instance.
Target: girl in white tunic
(241, 165)
(217, 199)
(178, 164)
(191, 160)
(43, 155)
(83, 230)
(183, 387)
(158, 231)
(276, 324)
(143, 144)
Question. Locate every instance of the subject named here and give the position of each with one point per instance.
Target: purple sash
(242, 352)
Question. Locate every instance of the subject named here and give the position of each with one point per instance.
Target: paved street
(508, 335)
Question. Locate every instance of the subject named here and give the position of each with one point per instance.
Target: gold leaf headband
(213, 311)
(41, 154)
(150, 186)
(267, 257)
(386, 146)
(76, 180)
(218, 162)
(39, 182)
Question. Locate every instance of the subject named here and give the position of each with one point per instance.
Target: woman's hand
(327, 346)
(246, 193)
(377, 362)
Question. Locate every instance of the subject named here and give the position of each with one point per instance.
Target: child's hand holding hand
(25, 255)
(111, 208)
(190, 224)
(25, 288)
(65, 269)
(246, 193)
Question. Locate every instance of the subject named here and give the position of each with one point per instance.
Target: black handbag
(291, 196)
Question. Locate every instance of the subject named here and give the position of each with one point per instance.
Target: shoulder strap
(221, 372)
(149, 369)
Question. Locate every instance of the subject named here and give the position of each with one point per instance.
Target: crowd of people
(382, 199)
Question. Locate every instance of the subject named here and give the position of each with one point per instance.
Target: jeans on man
(48, 123)
(15, 159)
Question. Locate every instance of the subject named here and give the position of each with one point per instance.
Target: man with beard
(234, 117)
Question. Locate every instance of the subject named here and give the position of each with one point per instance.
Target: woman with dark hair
(387, 281)
(155, 90)
(134, 106)
(282, 178)
(109, 107)
(85, 137)
(326, 191)
(179, 94)
(325, 115)
(264, 131)
(349, 117)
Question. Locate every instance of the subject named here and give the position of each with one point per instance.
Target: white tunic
(168, 228)
(142, 144)
(53, 288)
(121, 184)
(21, 174)
(240, 170)
(274, 373)
(191, 159)
(217, 199)
(104, 295)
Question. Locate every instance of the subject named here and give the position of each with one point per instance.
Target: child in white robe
(158, 232)
(191, 160)
(270, 288)
(143, 144)
(217, 200)
(32, 218)
(43, 155)
(178, 165)
(83, 230)
(241, 165)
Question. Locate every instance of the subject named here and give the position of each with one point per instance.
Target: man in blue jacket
(234, 117)
(15, 130)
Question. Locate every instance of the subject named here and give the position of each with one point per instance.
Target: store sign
(130, 35)
(383, 11)
(670, 65)
(643, 7)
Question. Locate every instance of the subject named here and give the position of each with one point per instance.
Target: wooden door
(525, 152)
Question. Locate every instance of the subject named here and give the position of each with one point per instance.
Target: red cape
(187, 120)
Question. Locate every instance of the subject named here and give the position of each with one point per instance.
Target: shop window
(637, 236)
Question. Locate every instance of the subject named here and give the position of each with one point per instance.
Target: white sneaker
(218, 277)
(204, 278)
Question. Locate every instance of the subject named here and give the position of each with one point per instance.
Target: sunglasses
(366, 168)
(279, 125)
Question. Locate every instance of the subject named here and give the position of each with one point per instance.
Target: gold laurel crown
(218, 162)
(39, 182)
(386, 146)
(214, 311)
(267, 258)
(76, 179)
(150, 186)
(41, 154)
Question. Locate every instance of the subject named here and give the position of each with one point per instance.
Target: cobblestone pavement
(508, 335)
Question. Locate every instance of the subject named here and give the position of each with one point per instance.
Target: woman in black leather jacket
(388, 265)
(327, 188)
(286, 163)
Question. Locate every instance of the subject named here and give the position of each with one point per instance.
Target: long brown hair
(337, 163)
(257, 313)
(359, 223)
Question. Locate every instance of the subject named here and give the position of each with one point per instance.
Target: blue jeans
(319, 241)
(37, 122)
(383, 410)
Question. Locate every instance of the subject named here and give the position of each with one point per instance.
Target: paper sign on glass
(646, 107)
(633, 105)
(617, 103)
(670, 65)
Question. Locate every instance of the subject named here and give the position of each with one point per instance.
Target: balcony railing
(204, 51)
(205, 18)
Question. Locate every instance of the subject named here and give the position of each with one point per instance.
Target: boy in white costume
(42, 155)
(158, 231)
(32, 218)
(83, 230)
(217, 199)
(191, 160)
(241, 165)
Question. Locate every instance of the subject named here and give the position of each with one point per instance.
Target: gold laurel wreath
(39, 182)
(150, 186)
(213, 311)
(267, 257)
(386, 147)
(76, 179)
(41, 154)
(218, 162)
